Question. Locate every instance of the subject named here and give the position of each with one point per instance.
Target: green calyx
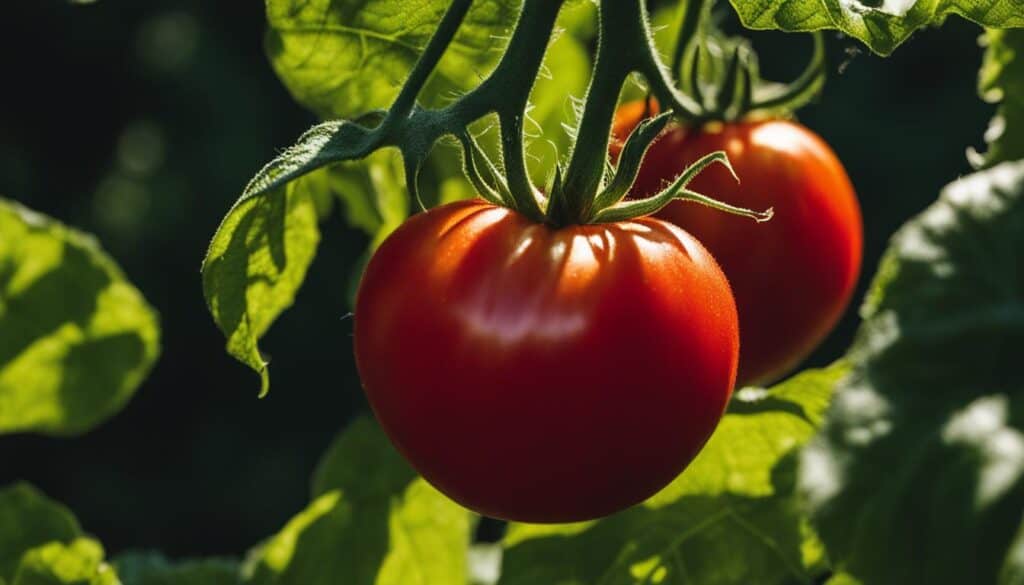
(588, 191)
(737, 91)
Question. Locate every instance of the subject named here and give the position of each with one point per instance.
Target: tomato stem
(736, 97)
(678, 191)
(630, 159)
(804, 88)
(507, 93)
(693, 79)
(625, 45)
(428, 61)
(692, 16)
(580, 194)
(492, 188)
(585, 174)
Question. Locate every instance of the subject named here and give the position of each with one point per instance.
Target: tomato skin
(792, 277)
(539, 374)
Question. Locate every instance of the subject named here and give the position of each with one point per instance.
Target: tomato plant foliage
(924, 443)
(1002, 82)
(881, 24)
(371, 520)
(41, 543)
(76, 338)
(343, 59)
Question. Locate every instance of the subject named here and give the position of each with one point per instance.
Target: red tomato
(792, 277)
(539, 374)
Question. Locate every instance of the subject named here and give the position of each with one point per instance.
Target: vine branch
(625, 46)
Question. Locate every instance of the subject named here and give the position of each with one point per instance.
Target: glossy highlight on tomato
(540, 374)
(792, 277)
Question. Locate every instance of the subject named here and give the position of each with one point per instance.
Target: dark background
(141, 121)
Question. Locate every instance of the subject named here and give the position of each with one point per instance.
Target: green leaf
(76, 338)
(918, 474)
(1001, 81)
(256, 263)
(344, 58)
(29, 519)
(731, 518)
(881, 24)
(154, 569)
(579, 18)
(564, 76)
(842, 579)
(372, 522)
(79, 562)
(318, 147)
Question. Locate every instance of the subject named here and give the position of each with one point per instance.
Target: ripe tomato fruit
(792, 277)
(540, 374)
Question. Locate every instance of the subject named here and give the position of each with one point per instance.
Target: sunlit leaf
(372, 522)
(1002, 82)
(881, 24)
(344, 58)
(79, 562)
(76, 338)
(842, 579)
(918, 474)
(256, 264)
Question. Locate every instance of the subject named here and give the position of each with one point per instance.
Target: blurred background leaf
(29, 519)
(79, 562)
(153, 569)
(76, 338)
(1001, 82)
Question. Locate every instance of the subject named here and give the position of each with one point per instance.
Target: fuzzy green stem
(727, 94)
(507, 92)
(678, 192)
(803, 88)
(427, 63)
(621, 31)
(633, 153)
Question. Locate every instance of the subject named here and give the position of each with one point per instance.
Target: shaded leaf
(372, 522)
(255, 265)
(918, 474)
(154, 569)
(76, 338)
(881, 24)
(29, 519)
(731, 518)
